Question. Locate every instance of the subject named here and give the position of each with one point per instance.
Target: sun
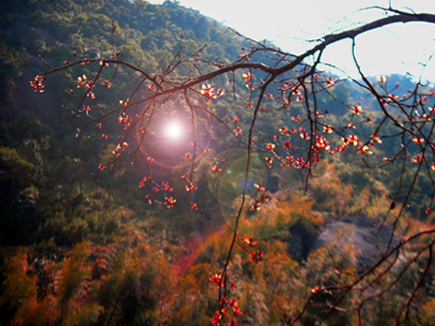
(174, 130)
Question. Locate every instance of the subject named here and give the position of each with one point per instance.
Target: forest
(158, 168)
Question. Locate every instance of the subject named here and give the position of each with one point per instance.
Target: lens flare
(174, 130)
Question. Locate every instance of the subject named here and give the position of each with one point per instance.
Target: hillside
(110, 217)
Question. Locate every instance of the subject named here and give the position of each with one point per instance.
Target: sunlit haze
(399, 48)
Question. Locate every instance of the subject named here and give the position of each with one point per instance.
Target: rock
(300, 240)
(371, 240)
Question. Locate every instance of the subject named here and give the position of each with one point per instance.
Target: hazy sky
(287, 23)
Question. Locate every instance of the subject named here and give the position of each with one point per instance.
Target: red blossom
(417, 159)
(418, 141)
(322, 143)
(256, 206)
(329, 81)
(303, 134)
(143, 181)
(106, 84)
(37, 84)
(315, 289)
(124, 119)
(299, 163)
(287, 144)
(327, 129)
(170, 202)
(269, 161)
(250, 241)
(191, 187)
(247, 76)
(193, 206)
(299, 99)
(259, 187)
(297, 118)
(166, 186)
(215, 168)
(284, 131)
(364, 150)
(262, 108)
(357, 109)
(208, 92)
(90, 85)
(352, 139)
(257, 255)
(376, 138)
(81, 80)
(270, 146)
(91, 95)
(245, 56)
(342, 149)
(124, 103)
(86, 108)
(217, 279)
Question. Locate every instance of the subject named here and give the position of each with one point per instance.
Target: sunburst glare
(174, 130)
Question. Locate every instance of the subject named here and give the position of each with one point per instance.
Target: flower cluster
(209, 93)
(37, 84)
(224, 312)
(257, 255)
(217, 279)
(170, 202)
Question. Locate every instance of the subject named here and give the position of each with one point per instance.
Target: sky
(399, 48)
